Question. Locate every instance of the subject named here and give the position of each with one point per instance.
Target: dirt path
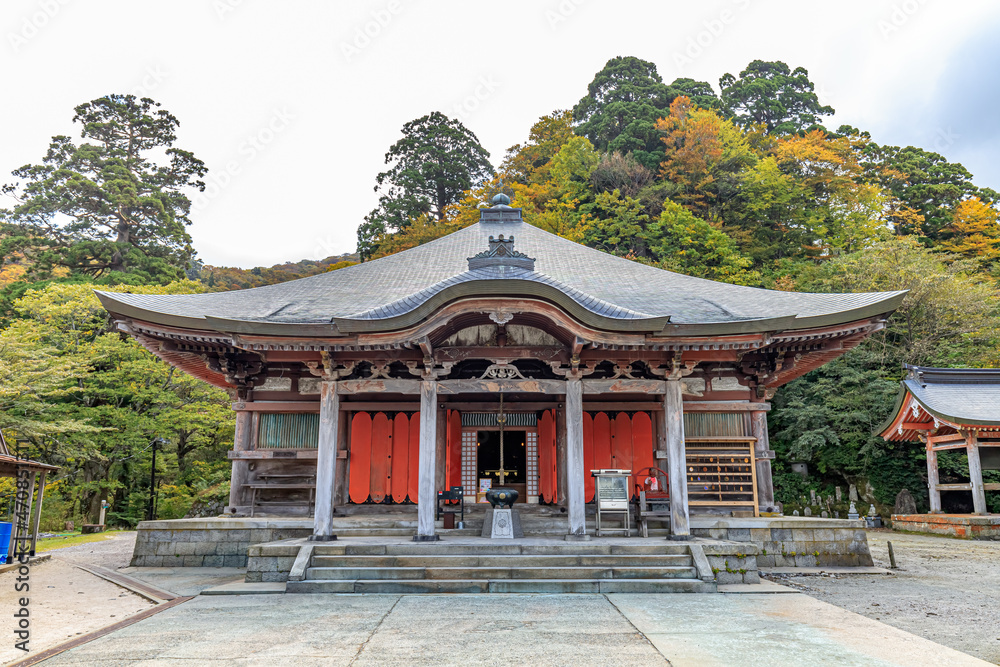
(945, 590)
(65, 601)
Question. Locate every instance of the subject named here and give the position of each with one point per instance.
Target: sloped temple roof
(598, 289)
(944, 399)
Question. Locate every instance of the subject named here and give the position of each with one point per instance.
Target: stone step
(403, 586)
(567, 560)
(491, 548)
(510, 572)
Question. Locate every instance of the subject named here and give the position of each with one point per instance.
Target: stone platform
(225, 542)
(967, 526)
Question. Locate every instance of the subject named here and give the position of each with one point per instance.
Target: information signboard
(612, 492)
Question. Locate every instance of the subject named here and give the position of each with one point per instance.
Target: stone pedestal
(502, 524)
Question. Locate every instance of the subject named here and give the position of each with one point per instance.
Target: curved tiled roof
(603, 290)
(960, 396)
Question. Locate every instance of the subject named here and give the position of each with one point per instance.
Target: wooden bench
(257, 487)
(647, 513)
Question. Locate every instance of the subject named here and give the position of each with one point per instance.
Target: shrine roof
(599, 289)
(958, 397)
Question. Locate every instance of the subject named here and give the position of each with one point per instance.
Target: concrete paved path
(692, 629)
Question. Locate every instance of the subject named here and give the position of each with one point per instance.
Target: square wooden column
(326, 461)
(673, 429)
(575, 494)
(975, 473)
(241, 469)
(762, 461)
(427, 495)
(932, 478)
(38, 511)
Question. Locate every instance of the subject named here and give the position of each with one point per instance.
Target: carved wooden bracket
(429, 370)
(623, 372)
(379, 370)
(502, 371)
(574, 372)
(328, 369)
(675, 371)
(240, 370)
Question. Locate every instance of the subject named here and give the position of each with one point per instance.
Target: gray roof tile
(608, 286)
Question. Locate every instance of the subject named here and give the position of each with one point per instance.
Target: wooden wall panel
(361, 452)
(381, 448)
(399, 467)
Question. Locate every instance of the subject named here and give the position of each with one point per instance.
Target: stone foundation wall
(966, 526)
(793, 541)
(271, 562)
(733, 567)
(208, 542)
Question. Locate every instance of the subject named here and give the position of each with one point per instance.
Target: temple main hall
(499, 355)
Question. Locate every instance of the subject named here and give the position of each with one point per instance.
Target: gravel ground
(946, 590)
(113, 553)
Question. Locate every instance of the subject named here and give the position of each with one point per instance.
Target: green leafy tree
(615, 224)
(771, 94)
(109, 397)
(114, 207)
(621, 107)
(829, 416)
(925, 183)
(681, 242)
(700, 93)
(431, 167)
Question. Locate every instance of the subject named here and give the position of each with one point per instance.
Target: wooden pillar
(975, 473)
(932, 479)
(673, 428)
(341, 483)
(28, 517)
(326, 461)
(762, 461)
(562, 471)
(428, 462)
(573, 472)
(241, 468)
(38, 511)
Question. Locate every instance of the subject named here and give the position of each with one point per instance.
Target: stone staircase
(571, 567)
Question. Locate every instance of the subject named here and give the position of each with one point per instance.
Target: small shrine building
(386, 382)
(951, 409)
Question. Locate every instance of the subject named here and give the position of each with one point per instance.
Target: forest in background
(746, 183)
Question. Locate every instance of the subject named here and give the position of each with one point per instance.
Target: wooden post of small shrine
(975, 473)
(326, 461)
(932, 477)
(241, 469)
(765, 487)
(38, 511)
(673, 428)
(575, 480)
(428, 462)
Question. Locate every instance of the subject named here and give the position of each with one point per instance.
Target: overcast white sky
(302, 104)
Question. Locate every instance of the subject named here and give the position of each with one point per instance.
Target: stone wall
(733, 567)
(792, 541)
(208, 542)
(272, 562)
(966, 526)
